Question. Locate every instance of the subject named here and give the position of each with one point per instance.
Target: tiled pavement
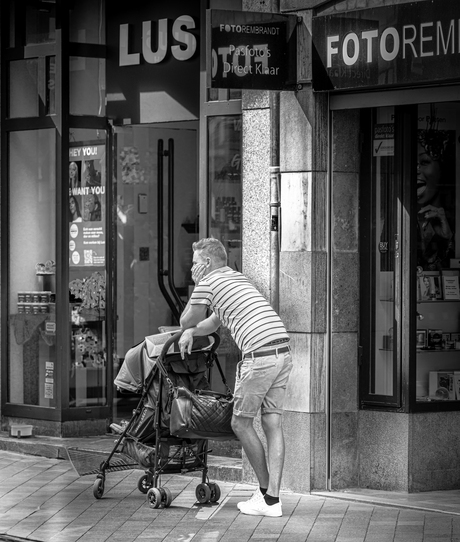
(45, 500)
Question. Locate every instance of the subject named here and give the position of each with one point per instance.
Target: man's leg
(273, 429)
(252, 446)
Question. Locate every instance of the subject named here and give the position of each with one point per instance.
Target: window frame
(62, 122)
(405, 362)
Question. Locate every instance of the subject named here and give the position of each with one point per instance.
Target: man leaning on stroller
(263, 372)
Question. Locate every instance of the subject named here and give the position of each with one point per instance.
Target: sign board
(87, 205)
(153, 62)
(403, 44)
(250, 50)
(383, 143)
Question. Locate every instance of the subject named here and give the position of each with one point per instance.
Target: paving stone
(44, 499)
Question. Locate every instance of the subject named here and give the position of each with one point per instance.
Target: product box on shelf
(450, 284)
(435, 338)
(457, 385)
(441, 385)
(34, 302)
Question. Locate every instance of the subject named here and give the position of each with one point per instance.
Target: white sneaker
(261, 508)
(256, 496)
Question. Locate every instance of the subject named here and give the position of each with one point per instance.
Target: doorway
(156, 202)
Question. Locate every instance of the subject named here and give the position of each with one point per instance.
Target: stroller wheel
(98, 488)
(154, 497)
(203, 493)
(144, 483)
(166, 497)
(215, 491)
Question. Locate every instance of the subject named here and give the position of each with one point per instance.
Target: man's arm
(192, 315)
(203, 328)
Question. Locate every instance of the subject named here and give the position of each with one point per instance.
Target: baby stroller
(145, 439)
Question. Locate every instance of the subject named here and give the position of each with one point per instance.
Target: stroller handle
(178, 335)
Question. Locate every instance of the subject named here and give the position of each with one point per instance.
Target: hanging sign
(250, 50)
(403, 44)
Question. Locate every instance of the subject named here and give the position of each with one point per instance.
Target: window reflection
(382, 368)
(23, 91)
(225, 211)
(437, 281)
(32, 268)
(40, 22)
(225, 184)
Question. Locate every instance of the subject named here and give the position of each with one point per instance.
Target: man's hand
(198, 272)
(186, 342)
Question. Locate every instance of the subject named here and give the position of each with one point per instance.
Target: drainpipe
(274, 98)
(274, 198)
(328, 343)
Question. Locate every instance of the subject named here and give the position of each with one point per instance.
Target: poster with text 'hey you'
(87, 205)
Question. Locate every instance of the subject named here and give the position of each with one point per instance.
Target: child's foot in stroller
(118, 429)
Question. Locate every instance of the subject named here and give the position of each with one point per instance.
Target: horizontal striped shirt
(240, 307)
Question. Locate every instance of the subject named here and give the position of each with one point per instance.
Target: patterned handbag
(203, 414)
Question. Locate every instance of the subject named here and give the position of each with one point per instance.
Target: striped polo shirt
(240, 307)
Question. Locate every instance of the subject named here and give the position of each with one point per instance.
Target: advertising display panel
(87, 194)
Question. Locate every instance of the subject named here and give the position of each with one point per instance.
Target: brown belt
(261, 353)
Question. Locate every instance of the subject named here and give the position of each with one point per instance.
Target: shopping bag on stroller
(198, 412)
(201, 414)
(139, 372)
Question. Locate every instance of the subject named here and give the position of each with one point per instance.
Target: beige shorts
(261, 383)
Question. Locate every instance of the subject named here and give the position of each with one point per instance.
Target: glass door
(156, 199)
(381, 205)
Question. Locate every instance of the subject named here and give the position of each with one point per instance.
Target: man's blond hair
(212, 248)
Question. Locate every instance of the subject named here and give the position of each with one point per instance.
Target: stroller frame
(189, 455)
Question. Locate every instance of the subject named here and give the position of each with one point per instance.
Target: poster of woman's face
(436, 190)
(74, 175)
(75, 185)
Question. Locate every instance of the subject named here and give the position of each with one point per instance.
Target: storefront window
(384, 230)
(438, 253)
(86, 19)
(87, 86)
(225, 208)
(29, 94)
(24, 92)
(410, 250)
(224, 167)
(32, 268)
(50, 93)
(40, 22)
(87, 269)
(379, 256)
